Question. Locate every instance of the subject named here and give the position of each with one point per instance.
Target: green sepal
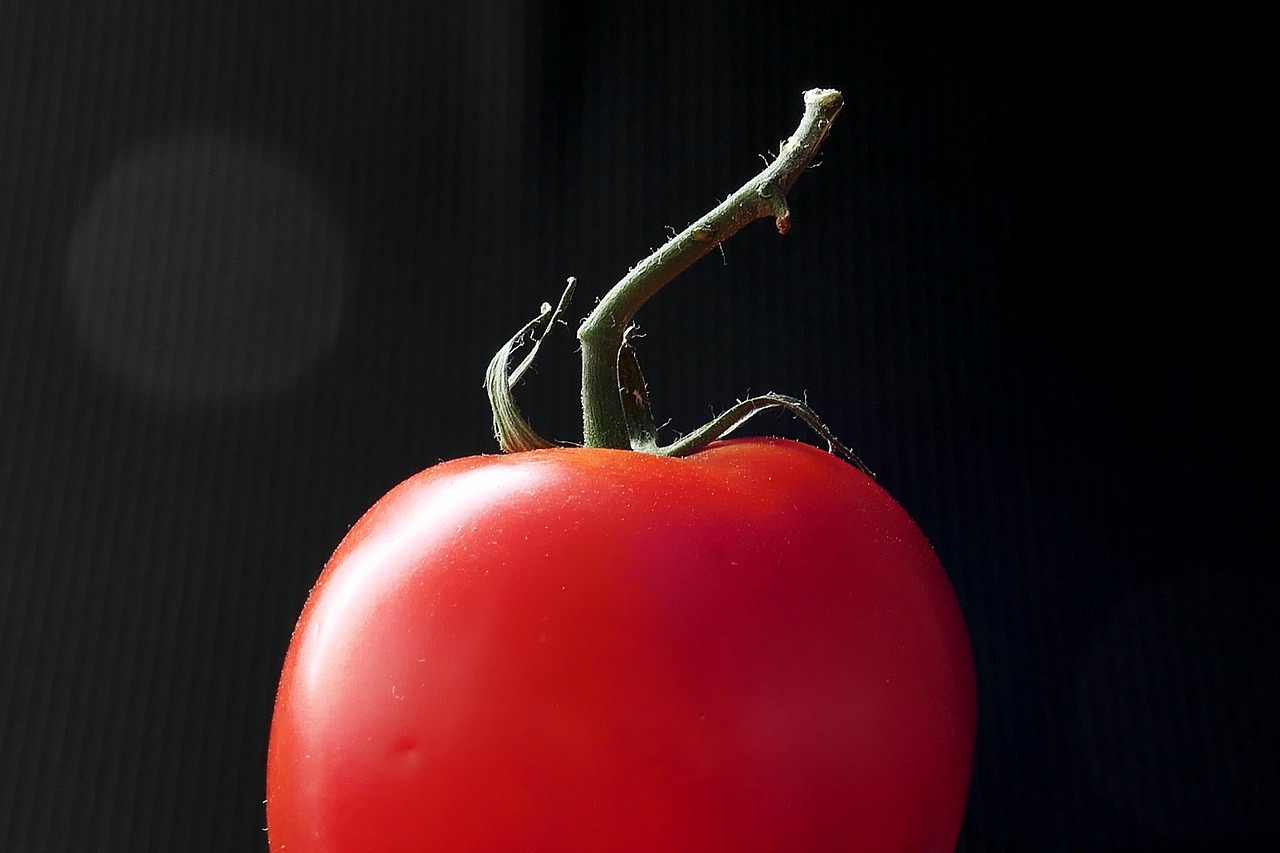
(510, 427)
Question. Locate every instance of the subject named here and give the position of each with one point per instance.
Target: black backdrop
(254, 257)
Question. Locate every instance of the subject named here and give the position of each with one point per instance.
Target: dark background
(254, 257)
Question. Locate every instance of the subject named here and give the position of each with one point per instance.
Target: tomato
(746, 645)
(751, 648)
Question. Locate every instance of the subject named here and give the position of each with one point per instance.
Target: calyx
(615, 399)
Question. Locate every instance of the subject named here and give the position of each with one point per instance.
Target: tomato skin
(753, 648)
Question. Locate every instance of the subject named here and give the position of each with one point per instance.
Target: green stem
(604, 420)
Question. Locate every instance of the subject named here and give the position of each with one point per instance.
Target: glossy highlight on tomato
(751, 648)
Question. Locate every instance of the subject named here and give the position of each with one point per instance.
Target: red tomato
(752, 648)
